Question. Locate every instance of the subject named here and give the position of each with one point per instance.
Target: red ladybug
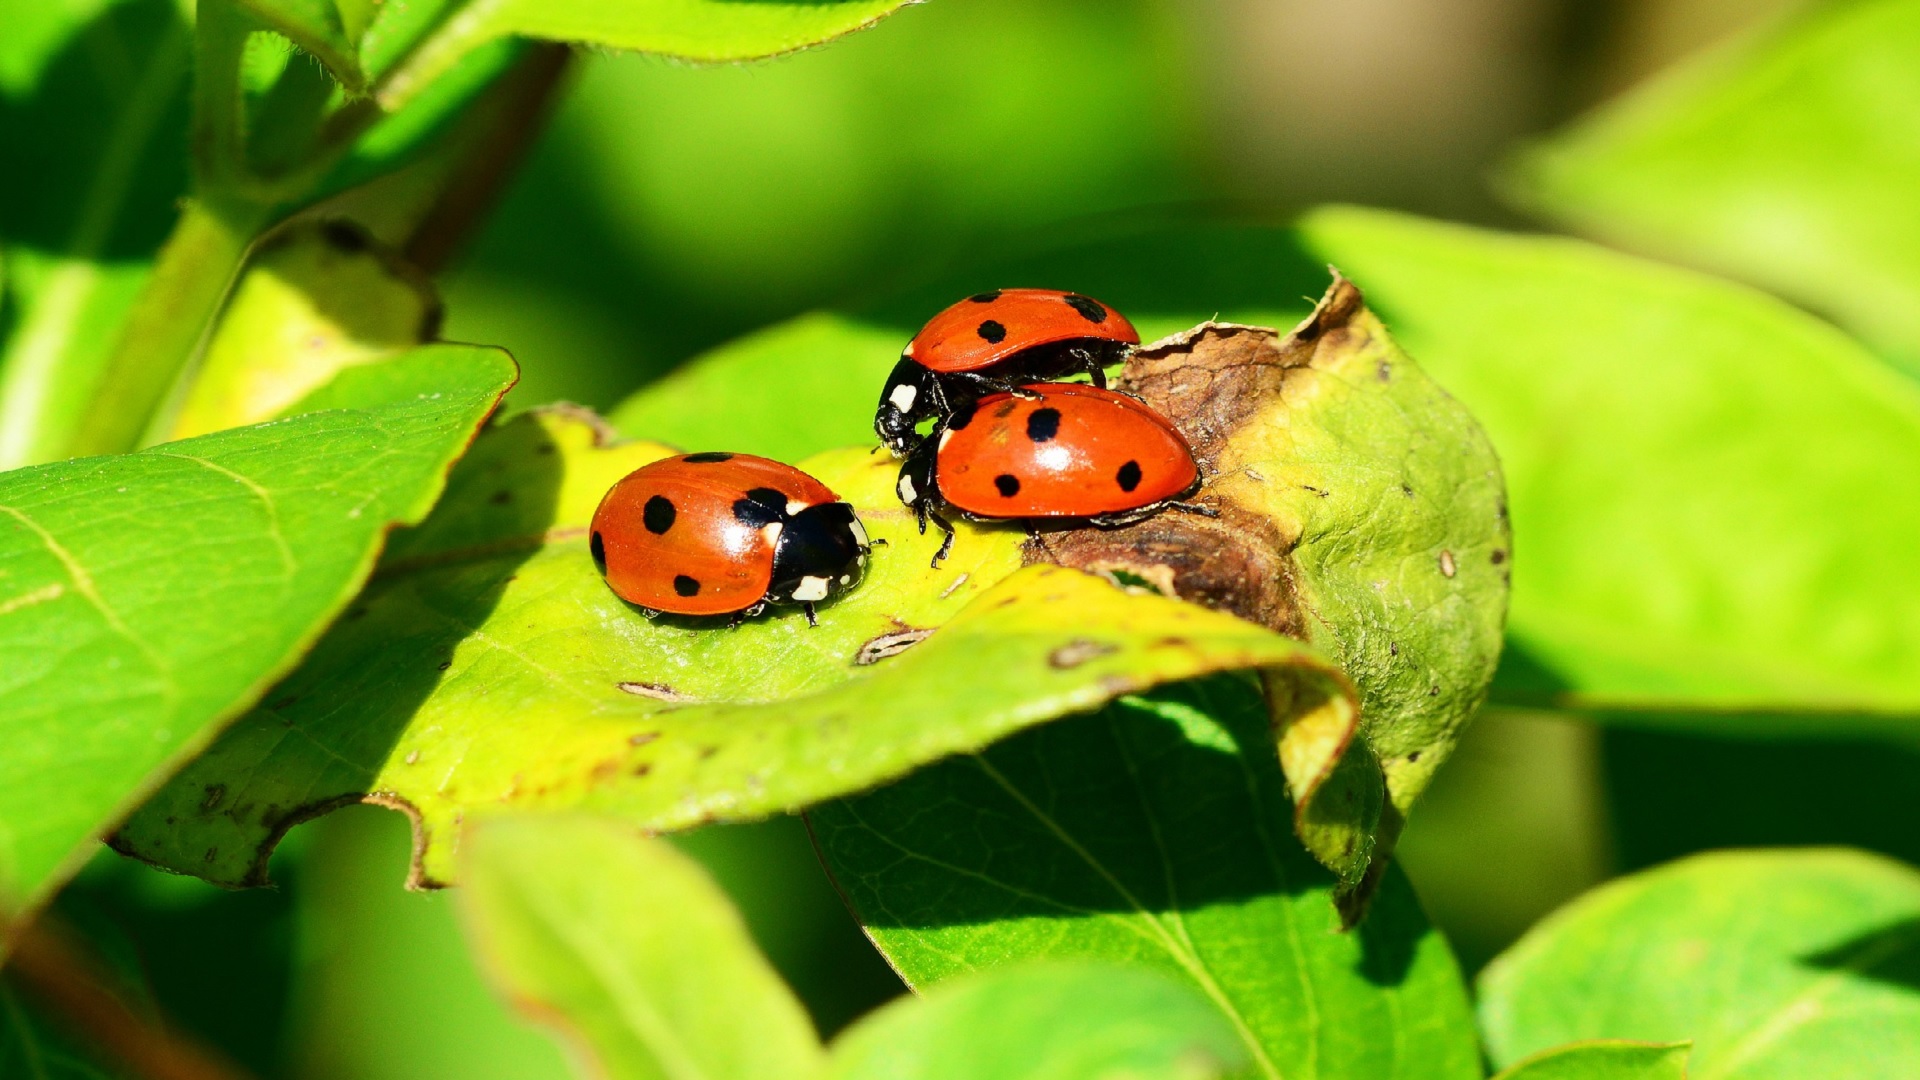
(725, 534)
(1063, 450)
(994, 342)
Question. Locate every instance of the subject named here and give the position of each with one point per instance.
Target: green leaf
(1153, 833)
(1044, 1022)
(1786, 160)
(144, 598)
(1364, 515)
(628, 949)
(1774, 964)
(488, 668)
(736, 395)
(315, 299)
(1604, 1061)
(1703, 479)
(703, 30)
(88, 186)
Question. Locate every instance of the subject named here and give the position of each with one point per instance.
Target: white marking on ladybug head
(945, 434)
(908, 351)
(859, 532)
(904, 396)
(846, 579)
(771, 532)
(907, 494)
(811, 589)
(794, 506)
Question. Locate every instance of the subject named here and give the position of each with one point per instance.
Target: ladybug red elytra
(992, 342)
(1059, 450)
(725, 534)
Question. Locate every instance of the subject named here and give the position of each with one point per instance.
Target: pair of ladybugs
(715, 534)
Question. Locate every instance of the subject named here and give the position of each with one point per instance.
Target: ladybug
(992, 342)
(1061, 450)
(725, 534)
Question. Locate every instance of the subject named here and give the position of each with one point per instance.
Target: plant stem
(168, 322)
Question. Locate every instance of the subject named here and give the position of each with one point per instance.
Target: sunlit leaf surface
(146, 597)
(1153, 833)
(1773, 963)
(489, 668)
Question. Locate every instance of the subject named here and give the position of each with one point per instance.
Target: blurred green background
(669, 208)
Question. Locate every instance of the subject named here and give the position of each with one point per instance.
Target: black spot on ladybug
(710, 458)
(987, 297)
(599, 549)
(1128, 476)
(1088, 308)
(993, 332)
(658, 515)
(1008, 485)
(962, 415)
(770, 498)
(1043, 424)
(753, 513)
(685, 585)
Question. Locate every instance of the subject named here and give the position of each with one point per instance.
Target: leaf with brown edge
(1360, 509)
(488, 669)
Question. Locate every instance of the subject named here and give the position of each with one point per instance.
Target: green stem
(169, 320)
(164, 331)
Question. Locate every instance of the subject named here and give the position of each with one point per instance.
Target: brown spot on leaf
(1447, 566)
(501, 497)
(1499, 556)
(1077, 652)
(643, 738)
(891, 643)
(655, 690)
(215, 793)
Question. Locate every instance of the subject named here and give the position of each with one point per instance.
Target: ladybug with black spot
(725, 534)
(1062, 450)
(994, 342)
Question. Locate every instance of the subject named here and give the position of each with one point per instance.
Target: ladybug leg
(738, 617)
(812, 619)
(946, 543)
(1089, 362)
(1192, 508)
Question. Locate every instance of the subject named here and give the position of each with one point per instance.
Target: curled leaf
(1360, 509)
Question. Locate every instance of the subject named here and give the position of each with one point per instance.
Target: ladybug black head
(822, 550)
(906, 399)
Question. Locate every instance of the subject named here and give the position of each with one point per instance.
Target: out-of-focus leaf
(706, 30)
(722, 397)
(1601, 1060)
(1711, 492)
(144, 598)
(630, 952)
(489, 668)
(387, 988)
(316, 300)
(1154, 834)
(92, 107)
(1773, 963)
(1044, 1022)
(1786, 160)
